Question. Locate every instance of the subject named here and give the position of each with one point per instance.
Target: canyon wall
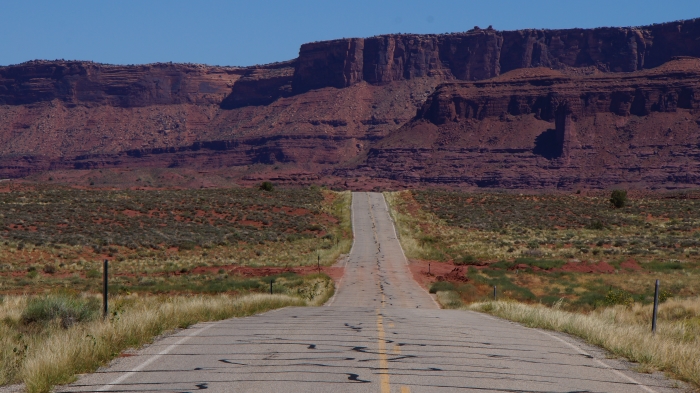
(482, 108)
(77, 82)
(540, 128)
(486, 53)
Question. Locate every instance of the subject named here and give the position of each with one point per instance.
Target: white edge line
(577, 349)
(405, 260)
(152, 359)
(352, 221)
(582, 352)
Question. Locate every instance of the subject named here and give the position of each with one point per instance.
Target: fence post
(270, 287)
(319, 262)
(494, 293)
(656, 307)
(105, 282)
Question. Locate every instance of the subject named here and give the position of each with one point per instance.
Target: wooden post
(105, 288)
(494, 293)
(656, 307)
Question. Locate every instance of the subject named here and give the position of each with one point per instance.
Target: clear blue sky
(263, 31)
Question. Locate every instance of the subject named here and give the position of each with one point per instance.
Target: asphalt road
(380, 333)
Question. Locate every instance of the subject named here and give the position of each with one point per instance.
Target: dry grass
(624, 331)
(408, 225)
(44, 355)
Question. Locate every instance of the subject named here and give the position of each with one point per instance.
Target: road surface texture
(380, 333)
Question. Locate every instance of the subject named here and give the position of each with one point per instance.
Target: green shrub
(267, 186)
(501, 265)
(596, 225)
(664, 267)
(68, 310)
(664, 295)
(545, 264)
(440, 286)
(618, 198)
(467, 260)
(186, 245)
(93, 273)
(618, 296)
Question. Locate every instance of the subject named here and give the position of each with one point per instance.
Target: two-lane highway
(381, 332)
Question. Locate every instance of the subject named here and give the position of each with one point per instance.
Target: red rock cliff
(486, 53)
(530, 108)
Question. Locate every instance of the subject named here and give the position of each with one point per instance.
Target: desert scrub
(449, 299)
(65, 309)
(540, 248)
(158, 219)
(623, 330)
(228, 229)
(557, 226)
(38, 349)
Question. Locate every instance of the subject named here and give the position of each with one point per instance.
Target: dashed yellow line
(405, 389)
(383, 362)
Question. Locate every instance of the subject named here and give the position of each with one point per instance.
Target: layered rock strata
(529, 108)
(539, 128)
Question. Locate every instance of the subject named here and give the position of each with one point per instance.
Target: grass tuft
(66, 309)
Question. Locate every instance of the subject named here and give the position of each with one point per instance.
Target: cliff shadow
(548, 145)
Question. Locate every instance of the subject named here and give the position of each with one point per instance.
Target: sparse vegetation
(158, 220)
(555, 248)
(624, 331)
(165, 241)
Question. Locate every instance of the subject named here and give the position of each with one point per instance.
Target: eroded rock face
(521, 109)
(539, 128)
(74, 82)
(482, 54)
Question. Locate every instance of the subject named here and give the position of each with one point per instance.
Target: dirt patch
(631, 264)
(587, 267)
(427, 272)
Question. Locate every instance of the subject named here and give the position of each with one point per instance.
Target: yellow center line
(405, 389)
(383, 362)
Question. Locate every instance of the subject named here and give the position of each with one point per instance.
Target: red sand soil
(587, 267)
(439, 271)
(630, 264)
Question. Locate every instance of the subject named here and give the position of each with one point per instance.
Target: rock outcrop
(539, 128)
(74, 82)
(483, 108)
(486, 53)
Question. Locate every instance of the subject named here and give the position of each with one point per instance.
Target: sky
(241, 33)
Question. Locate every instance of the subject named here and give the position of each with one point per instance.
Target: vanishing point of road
(381, 332)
